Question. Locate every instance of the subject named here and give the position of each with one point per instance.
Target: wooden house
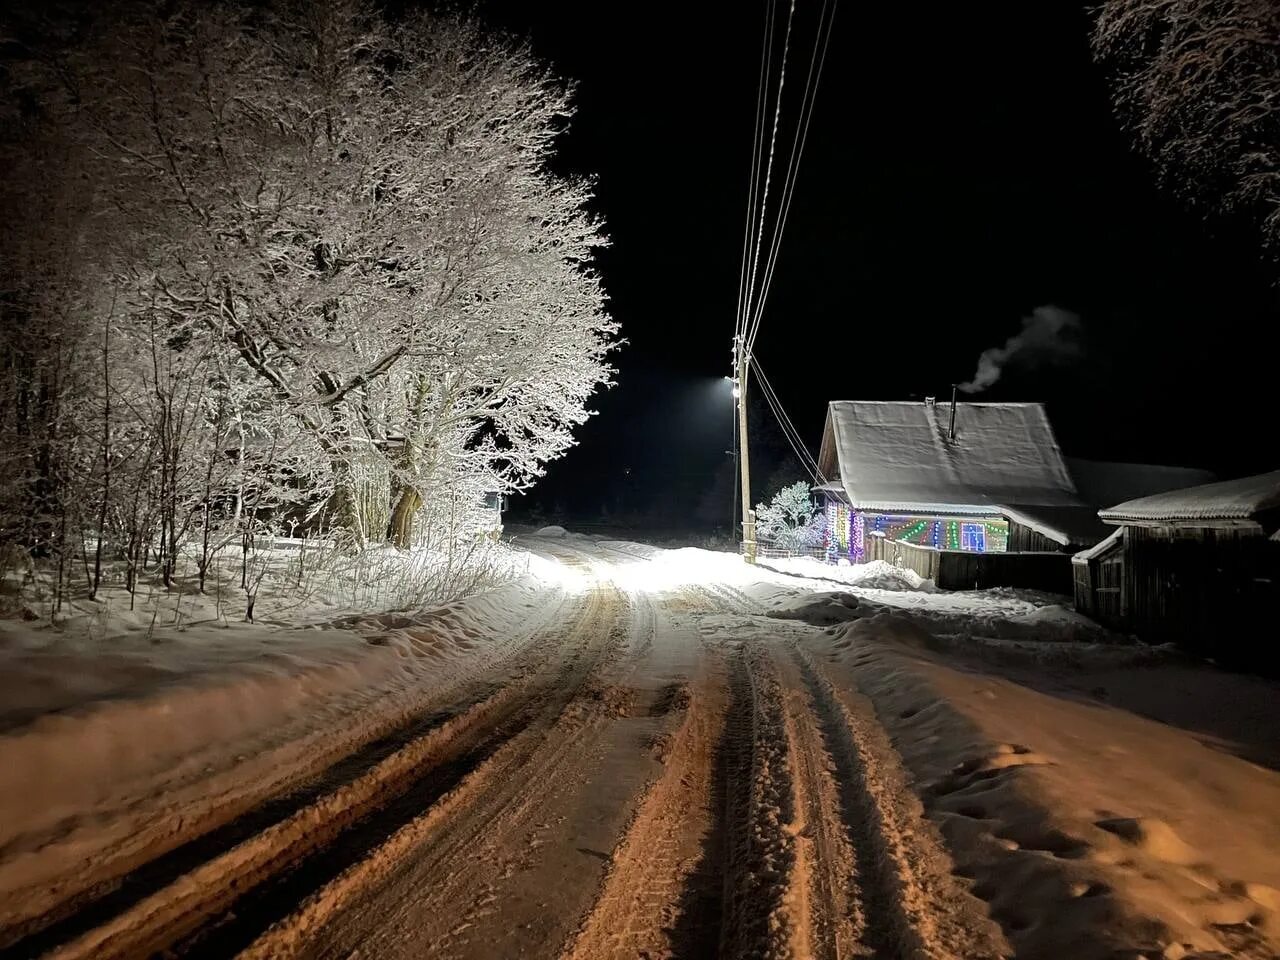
(970, 494)
(1198, 566)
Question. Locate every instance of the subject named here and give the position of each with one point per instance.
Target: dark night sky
(963, 168)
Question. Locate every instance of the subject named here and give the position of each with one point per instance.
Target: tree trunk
(400, 529)
(340, 515)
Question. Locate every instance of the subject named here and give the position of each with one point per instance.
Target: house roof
(896, 455)
(1103, 483)
(1069, 526)
(1228, 500)
(832, 487)
(1099, 548)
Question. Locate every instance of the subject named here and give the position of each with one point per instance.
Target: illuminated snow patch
(570, 578)
(676, 569)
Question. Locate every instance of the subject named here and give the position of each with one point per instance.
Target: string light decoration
(996, 535)
(839, 535)
(979, 535)
(857, 538)
(973, 536)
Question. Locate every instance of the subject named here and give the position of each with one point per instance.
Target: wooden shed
(1097, 580)
(1199, 567)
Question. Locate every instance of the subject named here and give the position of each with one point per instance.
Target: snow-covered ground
(980, 616)
(1000, 775)
(120, 726)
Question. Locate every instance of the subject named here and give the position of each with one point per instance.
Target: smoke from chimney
(1050, 336)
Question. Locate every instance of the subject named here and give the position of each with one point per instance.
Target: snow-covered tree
(1198, 83)
(790, 521)
(343, 222)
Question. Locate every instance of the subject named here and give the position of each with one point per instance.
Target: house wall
(1082, 588)
(1022, 539)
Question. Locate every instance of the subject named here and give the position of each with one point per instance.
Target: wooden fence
(923, 560)
(968, 570)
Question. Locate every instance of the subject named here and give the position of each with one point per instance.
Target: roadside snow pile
(990, 617)
(881, 575)
(1050, 623)
(552, 531)
(876, 575)
(1056, 622)
(998, 614)
(820, 610)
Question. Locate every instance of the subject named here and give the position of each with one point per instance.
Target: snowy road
(657, 769)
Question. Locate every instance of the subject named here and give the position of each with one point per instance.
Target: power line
(789, 430)
(753, 287)
(753, 184)
(773, 139)
(817, 61)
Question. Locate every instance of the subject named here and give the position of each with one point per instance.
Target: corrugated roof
(896, 455)
(1241, 499)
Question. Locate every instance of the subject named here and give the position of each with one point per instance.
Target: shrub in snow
(790, 521)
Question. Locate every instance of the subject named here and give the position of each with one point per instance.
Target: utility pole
(742, 369)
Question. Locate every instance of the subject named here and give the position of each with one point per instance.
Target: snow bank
(1001, 613)
(820, 610)
(1092, 832)
(876, 575)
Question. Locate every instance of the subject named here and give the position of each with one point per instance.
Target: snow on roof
(1241, 499)
(1103, 483)
(896, 455)
(1071, 525)
(833, 487)
(1084, 556)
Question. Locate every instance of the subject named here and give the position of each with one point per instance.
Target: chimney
(951, 431)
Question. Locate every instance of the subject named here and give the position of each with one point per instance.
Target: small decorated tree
(790, 521)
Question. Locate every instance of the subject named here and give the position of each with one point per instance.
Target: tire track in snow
(661, 888)
(190, 914)
(153, 877)
(475, 837)
(907, 908)
(666, 888)
(834, 923)
(761, 915)
(181, 834)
